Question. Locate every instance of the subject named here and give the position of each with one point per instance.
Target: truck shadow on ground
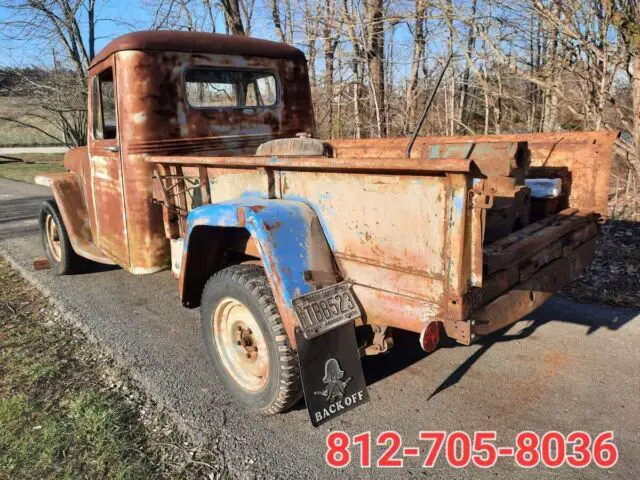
(95, 267)
(406, 350)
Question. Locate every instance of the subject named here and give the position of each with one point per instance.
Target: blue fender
(288, 236)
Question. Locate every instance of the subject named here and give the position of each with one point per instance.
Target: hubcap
(53, 238)
(240, 344)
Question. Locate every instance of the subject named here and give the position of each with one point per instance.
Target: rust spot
(256, 208)
(241, 217)
(272, 226)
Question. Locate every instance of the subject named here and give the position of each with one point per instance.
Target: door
(106, 164)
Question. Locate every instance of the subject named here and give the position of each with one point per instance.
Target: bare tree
(60, 97)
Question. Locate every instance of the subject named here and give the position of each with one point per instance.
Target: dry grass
(613, 278)
(12, 135)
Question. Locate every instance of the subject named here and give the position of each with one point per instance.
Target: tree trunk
(375, 60)
(232, 17)
(92, 29)
(277, 22)
(418, 52)
(635, 61)
(465, 113)
(330, 44)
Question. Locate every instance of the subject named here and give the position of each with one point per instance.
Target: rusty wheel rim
(240, 344)
(53, 238)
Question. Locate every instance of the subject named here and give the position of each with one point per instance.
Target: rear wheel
(56, 243)
(247, 341)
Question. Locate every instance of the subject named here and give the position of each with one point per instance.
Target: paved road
(568, 367)
(16, 150)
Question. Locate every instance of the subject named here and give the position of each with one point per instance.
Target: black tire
(248, 284)
(66, 261)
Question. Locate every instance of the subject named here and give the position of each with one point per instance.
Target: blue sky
(114, 17)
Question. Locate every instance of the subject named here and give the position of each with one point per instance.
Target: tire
(259, 369)
(55, 240)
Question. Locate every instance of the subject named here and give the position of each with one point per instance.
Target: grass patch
(37, 163)
(12, 135)
(67, 412)
(34, 157)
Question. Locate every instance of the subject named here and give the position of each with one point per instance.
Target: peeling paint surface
(287, 235)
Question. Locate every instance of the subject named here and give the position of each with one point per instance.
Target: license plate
(325, 309)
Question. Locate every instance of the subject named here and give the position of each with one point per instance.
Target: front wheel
(56, 243)
(247, 341)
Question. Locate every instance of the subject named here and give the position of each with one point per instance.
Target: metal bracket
(481, 199)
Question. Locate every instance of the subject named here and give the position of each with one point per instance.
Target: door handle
(112, 148)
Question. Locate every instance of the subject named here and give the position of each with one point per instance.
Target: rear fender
(288, 238)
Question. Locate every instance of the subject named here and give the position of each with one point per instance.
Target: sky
(114, 17)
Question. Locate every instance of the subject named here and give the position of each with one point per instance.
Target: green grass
(26, 172)
(66, 413)
(56, 420)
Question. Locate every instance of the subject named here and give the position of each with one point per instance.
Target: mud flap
(331, 371)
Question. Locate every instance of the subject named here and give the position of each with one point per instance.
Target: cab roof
(197, 42)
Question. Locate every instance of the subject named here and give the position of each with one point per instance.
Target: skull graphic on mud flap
(335, 386)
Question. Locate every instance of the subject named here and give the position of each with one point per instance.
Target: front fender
(289, 239)
(69, 196)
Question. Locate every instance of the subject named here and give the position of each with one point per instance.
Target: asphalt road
(567, 367)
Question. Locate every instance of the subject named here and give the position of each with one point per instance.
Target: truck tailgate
(525, 268)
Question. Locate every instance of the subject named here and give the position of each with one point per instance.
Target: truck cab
(170, 93)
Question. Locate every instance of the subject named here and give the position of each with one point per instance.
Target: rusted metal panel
(399, 311)
(247, 183)
(107, 189)
(456, 254)
(106, 186)
(495, 259)
(380, 164)
(159, 120)
(365, 238)
(163, 41)
(526, 297)
(581, 159)
(289, 238)
(77, 160)
(386, 231)
(67, 191)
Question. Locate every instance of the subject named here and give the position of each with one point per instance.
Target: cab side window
(104, 106)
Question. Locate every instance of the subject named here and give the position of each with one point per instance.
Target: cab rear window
(216, 88)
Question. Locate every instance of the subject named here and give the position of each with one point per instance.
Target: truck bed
(443, 235)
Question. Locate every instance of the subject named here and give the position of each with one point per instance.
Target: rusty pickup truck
(304, 254)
